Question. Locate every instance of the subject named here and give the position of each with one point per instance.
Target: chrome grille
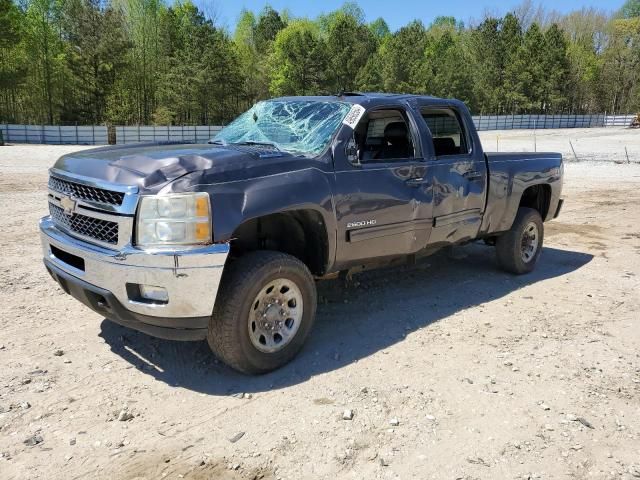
(101, 230)
(85, 192)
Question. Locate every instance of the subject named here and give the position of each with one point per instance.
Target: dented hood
(153, 166)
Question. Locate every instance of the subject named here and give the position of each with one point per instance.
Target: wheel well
(301, 233)
(537, 197)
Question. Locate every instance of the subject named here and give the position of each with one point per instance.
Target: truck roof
(367, 97)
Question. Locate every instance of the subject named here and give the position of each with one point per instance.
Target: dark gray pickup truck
(224, 240)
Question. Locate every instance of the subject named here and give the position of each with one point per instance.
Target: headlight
(174, 219)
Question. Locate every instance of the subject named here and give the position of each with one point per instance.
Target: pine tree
(95, 53)
(13, 69)
(349, 45)
(402, 60)
(299, 61)
(556, 66)
(268, 25)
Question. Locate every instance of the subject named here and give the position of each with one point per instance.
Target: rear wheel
(518, 249)
(264, 312)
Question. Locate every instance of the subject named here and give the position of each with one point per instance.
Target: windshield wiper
(218, 142)
(264, 143)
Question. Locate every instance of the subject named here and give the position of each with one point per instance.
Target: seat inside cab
(384, 135)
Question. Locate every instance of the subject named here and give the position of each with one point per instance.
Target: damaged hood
(151, 167)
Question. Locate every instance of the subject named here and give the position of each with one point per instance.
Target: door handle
(415, 182)
(472, 175)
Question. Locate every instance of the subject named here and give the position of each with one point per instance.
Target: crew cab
(224, 241)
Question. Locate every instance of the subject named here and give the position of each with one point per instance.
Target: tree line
(148, 62)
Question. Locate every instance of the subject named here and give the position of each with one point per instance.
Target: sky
(396, 12)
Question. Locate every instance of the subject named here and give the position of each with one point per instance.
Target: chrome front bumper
(191, 278)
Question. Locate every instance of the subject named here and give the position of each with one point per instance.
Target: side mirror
(353, 152)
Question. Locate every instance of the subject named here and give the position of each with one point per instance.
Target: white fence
(54, 134)
(531, 122)
(196, 134)
(102, 135)
(619, 120)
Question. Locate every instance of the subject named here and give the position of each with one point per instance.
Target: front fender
(236, 202)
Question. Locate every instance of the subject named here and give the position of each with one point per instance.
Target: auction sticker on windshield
(354, 116)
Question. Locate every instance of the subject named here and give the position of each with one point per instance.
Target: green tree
(267, 28)
(527, 75)
(45, 57)
(299, 61)
(201, 79)
(379, 28)
(95, 52)
(369, 77)
(584, 32)
(487, 55)
(245, 29)
(620, 74)
(253, 65)
(447, 67)
(349, 9)
(402, 60)
(349, 45)
(13, 69)
(630, 9)
(510, 38)
(139, 83)
(557, 71)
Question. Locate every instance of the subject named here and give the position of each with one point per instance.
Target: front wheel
(264, 312)
(518, 249)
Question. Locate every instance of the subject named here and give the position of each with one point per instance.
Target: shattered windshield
(303, 127)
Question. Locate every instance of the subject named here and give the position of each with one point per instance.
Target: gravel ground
(451, 368)
(619, 145)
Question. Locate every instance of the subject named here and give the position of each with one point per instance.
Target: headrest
(445, 146)
(396, 130)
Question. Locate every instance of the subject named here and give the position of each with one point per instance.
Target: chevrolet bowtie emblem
(68, 204)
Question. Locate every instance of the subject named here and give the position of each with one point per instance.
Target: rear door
(376, 198)
(457, 173)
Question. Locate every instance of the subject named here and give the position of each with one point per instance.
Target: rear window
(447, 132)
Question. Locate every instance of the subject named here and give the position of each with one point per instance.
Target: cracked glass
(300, 127)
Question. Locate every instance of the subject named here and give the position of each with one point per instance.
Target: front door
(377, 198)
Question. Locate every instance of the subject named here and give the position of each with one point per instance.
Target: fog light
(156, 294)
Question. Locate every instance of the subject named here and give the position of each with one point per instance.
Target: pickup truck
(224, 241)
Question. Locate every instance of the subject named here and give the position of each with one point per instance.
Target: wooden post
(574, 151)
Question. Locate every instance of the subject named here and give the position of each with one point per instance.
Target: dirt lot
(453, 369)
(576, 144)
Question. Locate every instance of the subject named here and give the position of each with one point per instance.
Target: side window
(447, 131)
(384, 135)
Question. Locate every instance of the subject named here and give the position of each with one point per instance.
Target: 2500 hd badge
(366, 223)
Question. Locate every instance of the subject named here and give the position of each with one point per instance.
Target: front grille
(85, 192)
(101, 230)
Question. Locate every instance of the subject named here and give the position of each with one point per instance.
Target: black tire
(509, 245)
(228, 334)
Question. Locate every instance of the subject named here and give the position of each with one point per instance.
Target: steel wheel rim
(529, 242)
(275, 315)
